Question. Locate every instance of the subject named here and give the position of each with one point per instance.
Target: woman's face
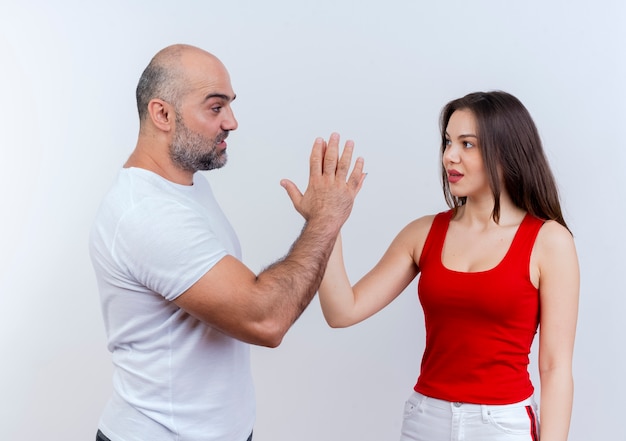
(462, 158)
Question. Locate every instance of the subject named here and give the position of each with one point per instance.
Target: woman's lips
(454, 176)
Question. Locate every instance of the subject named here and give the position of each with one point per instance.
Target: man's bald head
(166, 77)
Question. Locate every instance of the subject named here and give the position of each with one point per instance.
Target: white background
(377, 72)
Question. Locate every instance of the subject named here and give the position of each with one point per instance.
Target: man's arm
(260, 309)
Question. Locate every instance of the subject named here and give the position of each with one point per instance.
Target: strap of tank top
(435, 238)
(524, 241)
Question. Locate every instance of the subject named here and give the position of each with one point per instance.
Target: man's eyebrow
(221, 96)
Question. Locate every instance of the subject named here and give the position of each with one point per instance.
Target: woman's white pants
(430, 419)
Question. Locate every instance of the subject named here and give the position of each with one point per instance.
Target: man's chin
(215, 164)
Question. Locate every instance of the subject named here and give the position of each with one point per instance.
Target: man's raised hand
(331, 192)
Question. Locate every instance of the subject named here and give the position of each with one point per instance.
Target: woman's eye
(468, 144)
(448, 142)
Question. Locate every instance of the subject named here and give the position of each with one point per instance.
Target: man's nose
(230, 122)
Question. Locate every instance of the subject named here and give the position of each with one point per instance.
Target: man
(179, 306)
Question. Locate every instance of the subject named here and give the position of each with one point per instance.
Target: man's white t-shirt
(175, 378)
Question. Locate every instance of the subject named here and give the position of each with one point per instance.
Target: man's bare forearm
(288, 285)
(285, 288)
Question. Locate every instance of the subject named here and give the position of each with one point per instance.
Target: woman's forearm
(557, 392)
(335, 292)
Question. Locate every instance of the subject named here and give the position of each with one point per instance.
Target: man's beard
(192, 151)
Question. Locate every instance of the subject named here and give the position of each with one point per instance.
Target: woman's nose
(451, 154)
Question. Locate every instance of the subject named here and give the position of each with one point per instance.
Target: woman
(494, 268)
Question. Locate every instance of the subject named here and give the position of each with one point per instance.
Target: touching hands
(331, 192)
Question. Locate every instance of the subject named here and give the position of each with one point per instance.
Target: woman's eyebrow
(468, 135)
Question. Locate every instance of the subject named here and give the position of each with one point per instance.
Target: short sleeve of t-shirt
(166, 246)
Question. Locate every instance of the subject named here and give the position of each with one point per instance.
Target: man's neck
(158, 161)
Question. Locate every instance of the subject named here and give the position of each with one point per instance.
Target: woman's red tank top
(479, 325)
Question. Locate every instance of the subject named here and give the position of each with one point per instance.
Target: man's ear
(162, 114)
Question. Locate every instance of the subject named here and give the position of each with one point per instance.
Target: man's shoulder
(135, 187)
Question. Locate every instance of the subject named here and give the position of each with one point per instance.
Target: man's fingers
(331, 155)
(325, 160)
(355, 182)
(346, 158)
(317, 157)
(292, 191)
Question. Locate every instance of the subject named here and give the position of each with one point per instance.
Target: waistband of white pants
(471, 407)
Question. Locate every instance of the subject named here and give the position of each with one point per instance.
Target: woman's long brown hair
(510, 146)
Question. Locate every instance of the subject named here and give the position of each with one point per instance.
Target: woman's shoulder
(554, 239)
(421, 224)
(415, 232)
(413, 236)
(554, 231)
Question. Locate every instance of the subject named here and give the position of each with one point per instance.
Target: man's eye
(216, 109)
